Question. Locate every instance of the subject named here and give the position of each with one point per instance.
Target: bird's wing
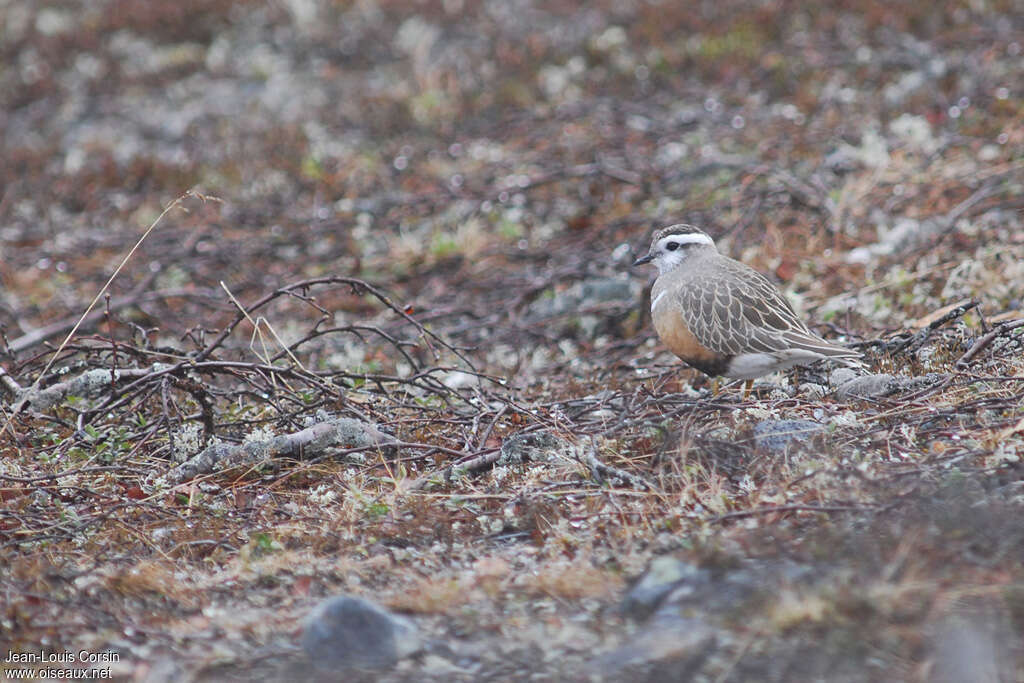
(733, 309)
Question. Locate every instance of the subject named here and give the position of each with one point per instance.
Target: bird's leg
(713, 381)
(746, 388)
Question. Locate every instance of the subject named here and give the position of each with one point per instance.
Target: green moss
(744, 40)
(444, 245)
(312, 168)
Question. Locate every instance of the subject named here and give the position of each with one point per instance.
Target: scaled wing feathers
(733, 309)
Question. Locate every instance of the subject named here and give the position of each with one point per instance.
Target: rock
(915, 132)
(692, 608)
(674, 644)
(812, 390)
(606, 290)
(876, 386)
(586, 293)
(841, 160)
(533, 447)
(346, 632)
(841, 376)
(457, 379)
(904, 235)
(165, 670)
(664, 574)
(867, 386)
(912, 384)
(719, 592)
(775, 436)
(970, 647)
(587, 305)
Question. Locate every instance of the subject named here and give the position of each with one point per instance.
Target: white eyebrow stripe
(693, 238)
(657, 299)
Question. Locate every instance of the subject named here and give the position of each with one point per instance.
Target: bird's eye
(672, 246)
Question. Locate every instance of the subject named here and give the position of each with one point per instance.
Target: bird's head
(673, 245)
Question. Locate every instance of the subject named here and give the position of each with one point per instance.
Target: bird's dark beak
(643, 259)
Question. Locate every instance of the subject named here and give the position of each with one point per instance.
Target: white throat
(669, 260)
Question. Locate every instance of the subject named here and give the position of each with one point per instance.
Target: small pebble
(867, 386)
(346, 632)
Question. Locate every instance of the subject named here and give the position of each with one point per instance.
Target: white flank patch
(657, 299)
(752, 365)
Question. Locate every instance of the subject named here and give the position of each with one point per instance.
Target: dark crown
(678, 229)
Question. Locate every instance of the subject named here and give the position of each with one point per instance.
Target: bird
(721, 316)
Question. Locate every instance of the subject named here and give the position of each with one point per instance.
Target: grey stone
(533, 447)
(812, 390)
(867, 386)
(586, 293)
(776, 436)
(346, 632)
(912, 384)
(693, 608)
(736, 589)
(665, 575)
(604, 290)
(585, 306)
(841, 376)
(166, 670)
(675, 644)
(841, 160)
(970, 647)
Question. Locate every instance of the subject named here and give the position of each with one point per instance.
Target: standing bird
(723, 317)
